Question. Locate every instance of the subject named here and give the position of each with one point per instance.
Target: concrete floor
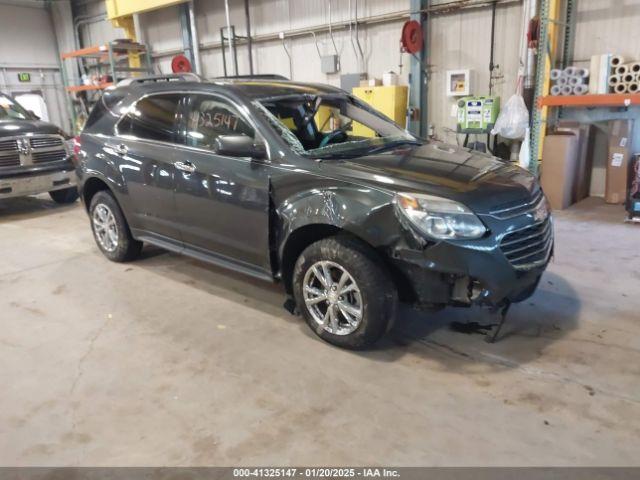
(168, 361)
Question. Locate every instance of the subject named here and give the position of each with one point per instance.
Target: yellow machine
(120, 13)
(391, 100)
(124, 8)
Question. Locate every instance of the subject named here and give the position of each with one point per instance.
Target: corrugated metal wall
(23, 51)
(458, 39)
(95, 30)
(608, 26)
(462, 40)
(162, 31)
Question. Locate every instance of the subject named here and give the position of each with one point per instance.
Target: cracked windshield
(332, 126)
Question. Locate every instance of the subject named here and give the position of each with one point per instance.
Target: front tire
(110, 229)
(343, 292)
(64, 196)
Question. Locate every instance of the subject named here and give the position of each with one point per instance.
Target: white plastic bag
(523, 158)
(513, 119)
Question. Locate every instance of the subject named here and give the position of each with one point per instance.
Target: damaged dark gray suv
(306, 185)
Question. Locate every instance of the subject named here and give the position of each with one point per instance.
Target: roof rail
(263, 76)
(174, 77)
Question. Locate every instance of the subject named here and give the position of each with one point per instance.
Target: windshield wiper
(365, 151)
(337, 155)
(394, 144)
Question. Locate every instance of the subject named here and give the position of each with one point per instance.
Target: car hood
(10, 128)
(480, 181)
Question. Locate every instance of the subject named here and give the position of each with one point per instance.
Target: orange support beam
(586, 101)
(85, 51)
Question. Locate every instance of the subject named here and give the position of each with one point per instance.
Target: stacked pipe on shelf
(624, 77)
(570, 81)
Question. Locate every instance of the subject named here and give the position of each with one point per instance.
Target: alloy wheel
(104, 224)
(332, 297)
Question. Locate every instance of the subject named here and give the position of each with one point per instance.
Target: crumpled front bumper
(35, 183)
(470, 272)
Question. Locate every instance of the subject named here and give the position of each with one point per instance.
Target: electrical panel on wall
(330, 63)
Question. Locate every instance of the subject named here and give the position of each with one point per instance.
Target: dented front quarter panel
(364, 211)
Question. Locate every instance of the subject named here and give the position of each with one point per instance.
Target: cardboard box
(618, 160)
(586, 140)
(558, 170)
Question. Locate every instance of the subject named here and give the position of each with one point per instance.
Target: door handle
(120, 149)
(187, 167)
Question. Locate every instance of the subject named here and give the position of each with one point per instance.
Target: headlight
(438, 217)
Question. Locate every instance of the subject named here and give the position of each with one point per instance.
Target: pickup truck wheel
(66, 195)
(345, 296)
(110, 229)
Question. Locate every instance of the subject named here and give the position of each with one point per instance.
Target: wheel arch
(91, 186)
(295, 244)
(308, 234)
(364, 215)
(306, 216)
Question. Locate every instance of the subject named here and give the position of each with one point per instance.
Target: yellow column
(126, 23)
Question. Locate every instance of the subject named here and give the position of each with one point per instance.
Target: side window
(106, 105)
(211, 117)
(152, 118)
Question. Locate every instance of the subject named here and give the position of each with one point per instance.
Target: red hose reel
(411, 38)
(180, 64)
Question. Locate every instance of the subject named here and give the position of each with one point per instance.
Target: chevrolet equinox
(306, 185)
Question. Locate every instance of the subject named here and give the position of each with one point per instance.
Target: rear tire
(64, 196)
(355, 303)
(110, 229)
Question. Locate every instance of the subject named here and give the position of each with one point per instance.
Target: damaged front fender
(364, 212)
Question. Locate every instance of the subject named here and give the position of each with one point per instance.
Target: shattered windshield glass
(331, 125)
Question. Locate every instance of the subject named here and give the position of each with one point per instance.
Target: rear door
(222, 202)
(145, 152)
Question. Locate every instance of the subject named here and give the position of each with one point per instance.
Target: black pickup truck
(35, 156)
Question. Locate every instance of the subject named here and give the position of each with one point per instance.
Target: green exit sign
(24, 77)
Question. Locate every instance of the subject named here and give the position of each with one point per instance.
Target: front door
(222, 202)
(144, 152)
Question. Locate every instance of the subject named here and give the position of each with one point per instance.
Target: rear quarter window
(107, 104)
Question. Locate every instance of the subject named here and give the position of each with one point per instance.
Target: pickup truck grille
(10, 160)
(8, 146)
(46, 142)
(529, 247)
(54, 156)
(31, 150)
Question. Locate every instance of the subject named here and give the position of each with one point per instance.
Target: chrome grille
(10, 160)
(530, 246)
(53, 156)
(8, 146)
(39, 149)
(513, 209)
(46, 142)
(9, 156)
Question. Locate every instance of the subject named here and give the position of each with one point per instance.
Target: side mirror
(32, 113)
(240, 146)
